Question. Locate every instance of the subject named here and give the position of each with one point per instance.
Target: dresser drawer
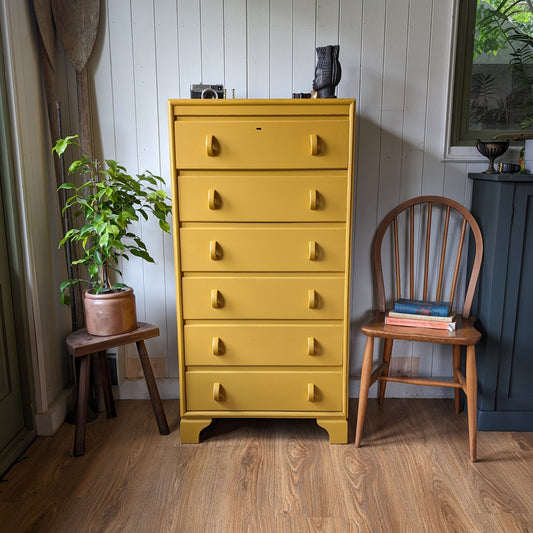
(226, 344)
(262, 142)
(304, 197)
(268, 297)
(262, 248)
(264, 390)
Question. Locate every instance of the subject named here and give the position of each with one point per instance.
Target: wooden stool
(81, 344)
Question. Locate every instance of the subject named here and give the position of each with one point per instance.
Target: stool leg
(152, 389)
(106, 385)
(81, 413)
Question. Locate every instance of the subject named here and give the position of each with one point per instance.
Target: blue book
(422, 307)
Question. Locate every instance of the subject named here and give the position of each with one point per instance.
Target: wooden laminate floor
(411, 475)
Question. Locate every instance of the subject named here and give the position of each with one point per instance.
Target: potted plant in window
(107, 202)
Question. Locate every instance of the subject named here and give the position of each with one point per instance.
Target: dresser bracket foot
(337, 429)
(190, 429)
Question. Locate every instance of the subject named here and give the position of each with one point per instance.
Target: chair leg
(106, 385)
(81, 412)
(471, 397)
(366, 373)
(387, 350)
(456, 367)
(152, 389)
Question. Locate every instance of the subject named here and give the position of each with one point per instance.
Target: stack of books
(421, 314)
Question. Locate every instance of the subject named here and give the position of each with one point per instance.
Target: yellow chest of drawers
(262, 204)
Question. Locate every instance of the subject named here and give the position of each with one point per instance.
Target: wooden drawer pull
(215, 251)
(311, 346)
(210, 145)
(313, 199)
(213, 199)
(313, 251)
(218, 392)
(313, 144)
(216, 299)
(217, 346)
(312, 299)
(311, 392)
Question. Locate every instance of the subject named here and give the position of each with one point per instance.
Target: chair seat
(464, 334)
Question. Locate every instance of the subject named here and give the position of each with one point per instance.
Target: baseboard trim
(136, 389)
(47, 423)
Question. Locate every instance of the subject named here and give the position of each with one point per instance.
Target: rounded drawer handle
(217, 346)
(215, 251)
(313, 199)
(313, 144)
(311, 346)
(210, 145)
(312, 299)
(213, 199)
(218, 392)
(313, 251)
(311, 392)
(216, 299)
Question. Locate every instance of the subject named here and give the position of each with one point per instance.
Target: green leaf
(141, 253)
(62, 144)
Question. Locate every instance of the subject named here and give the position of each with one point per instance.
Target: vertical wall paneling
(350, 21)
(152, 290)
(416, 92)
(367, 156)
(281, 48)
(212, 35)
(167, 65)
(327, 22)
(258, 45)
(303, 45)
(394, 60)
(189, 46)
(124, 107)
(235, 52)
(392, 114)
(101, 76)
(439, 68)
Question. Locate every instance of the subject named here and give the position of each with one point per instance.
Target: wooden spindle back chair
(427, 236)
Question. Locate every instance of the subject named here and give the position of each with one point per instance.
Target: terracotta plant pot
(111, 313)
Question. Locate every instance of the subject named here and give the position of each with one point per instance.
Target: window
(493, 91)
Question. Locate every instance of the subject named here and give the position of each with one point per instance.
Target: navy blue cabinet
(503, 207)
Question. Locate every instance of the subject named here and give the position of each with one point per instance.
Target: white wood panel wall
(395, 59)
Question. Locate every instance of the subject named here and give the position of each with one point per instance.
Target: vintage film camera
(199, 90)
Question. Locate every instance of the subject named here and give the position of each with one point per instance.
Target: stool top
(82, 343)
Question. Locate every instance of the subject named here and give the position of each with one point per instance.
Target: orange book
(417, 323)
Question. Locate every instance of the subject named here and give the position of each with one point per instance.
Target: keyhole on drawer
(258, 129)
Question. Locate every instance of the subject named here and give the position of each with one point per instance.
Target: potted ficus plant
(106, 202)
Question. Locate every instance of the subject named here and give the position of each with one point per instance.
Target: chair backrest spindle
(443, 253)
(412, 252)
(428, 246)
(397, 258)
(458, 260)
(435, 282)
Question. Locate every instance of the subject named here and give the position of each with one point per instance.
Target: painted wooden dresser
(262, 208)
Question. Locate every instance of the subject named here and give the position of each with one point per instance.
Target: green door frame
(17, 275)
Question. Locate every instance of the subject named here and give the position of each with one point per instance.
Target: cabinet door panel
(227, 344)
(262, 142)
(266, 297)
(515, 390)
(262, 249)
(264, 390)
(260, 198)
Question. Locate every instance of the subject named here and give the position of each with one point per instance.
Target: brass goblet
(492, 150)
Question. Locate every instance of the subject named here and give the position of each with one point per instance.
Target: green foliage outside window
(493, 91)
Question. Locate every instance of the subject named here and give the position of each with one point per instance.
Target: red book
(395, 321)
